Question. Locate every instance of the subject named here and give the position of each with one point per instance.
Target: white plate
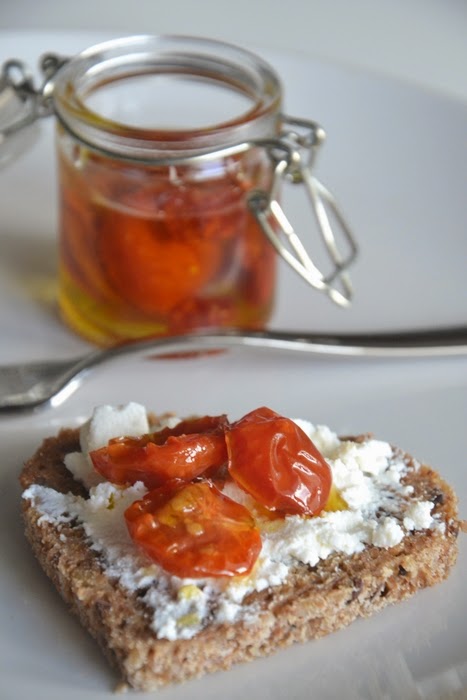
(397, 158)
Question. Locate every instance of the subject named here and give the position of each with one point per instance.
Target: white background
(422, 41)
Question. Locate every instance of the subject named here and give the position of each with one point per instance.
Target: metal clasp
(293, 156)
(21, 103)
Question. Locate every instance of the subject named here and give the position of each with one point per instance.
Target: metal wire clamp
(21, 102)
(293, 156)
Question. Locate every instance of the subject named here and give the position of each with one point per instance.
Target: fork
(51, 382)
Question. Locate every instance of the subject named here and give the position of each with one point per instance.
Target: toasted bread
(313, 601)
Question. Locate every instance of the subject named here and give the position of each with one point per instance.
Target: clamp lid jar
(172, 152)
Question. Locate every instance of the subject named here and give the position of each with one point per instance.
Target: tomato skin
(168, 454)
(192, 530)
(272, 459)
(188, 426)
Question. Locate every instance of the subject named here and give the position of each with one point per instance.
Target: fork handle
(414, 343)
(26, 386)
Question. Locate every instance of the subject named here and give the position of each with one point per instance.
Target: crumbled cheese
(323, 437)
(367, 475)
(108, 422)
(388, 534)
(418, 516)
(81, 468)
(52, 505)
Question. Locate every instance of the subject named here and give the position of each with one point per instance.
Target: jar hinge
(293, 155)
(20, 100)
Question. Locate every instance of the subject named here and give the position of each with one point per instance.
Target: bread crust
(313, 602)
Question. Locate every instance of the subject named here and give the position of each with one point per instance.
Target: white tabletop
(422, 41)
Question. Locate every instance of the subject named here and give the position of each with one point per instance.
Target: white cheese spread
(367, 475)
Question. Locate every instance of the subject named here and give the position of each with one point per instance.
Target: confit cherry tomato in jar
(193, 530)
(272, 459)
(156, 235)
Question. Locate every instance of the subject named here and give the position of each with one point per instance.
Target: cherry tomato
(172, 453)
(193, 530)
(272, 459)
(148, 265)
(188, 426)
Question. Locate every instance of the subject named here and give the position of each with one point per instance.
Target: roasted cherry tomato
(193, 530)
(188, 426)
(172, 453)
(272, 459)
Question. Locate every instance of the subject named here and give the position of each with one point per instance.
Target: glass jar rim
(220, 63)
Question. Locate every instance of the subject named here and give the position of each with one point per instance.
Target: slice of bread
(313, 601)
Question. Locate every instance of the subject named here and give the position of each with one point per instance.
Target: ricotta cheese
(367, 475)
(106, 422)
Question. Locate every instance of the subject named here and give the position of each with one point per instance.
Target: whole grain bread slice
(313, 602)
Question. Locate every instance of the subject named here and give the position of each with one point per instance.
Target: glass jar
(172, 152)
(156, 151)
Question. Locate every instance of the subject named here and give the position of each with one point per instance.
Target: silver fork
(26, 386)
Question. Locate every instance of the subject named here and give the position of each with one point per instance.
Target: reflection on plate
(383, 163)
